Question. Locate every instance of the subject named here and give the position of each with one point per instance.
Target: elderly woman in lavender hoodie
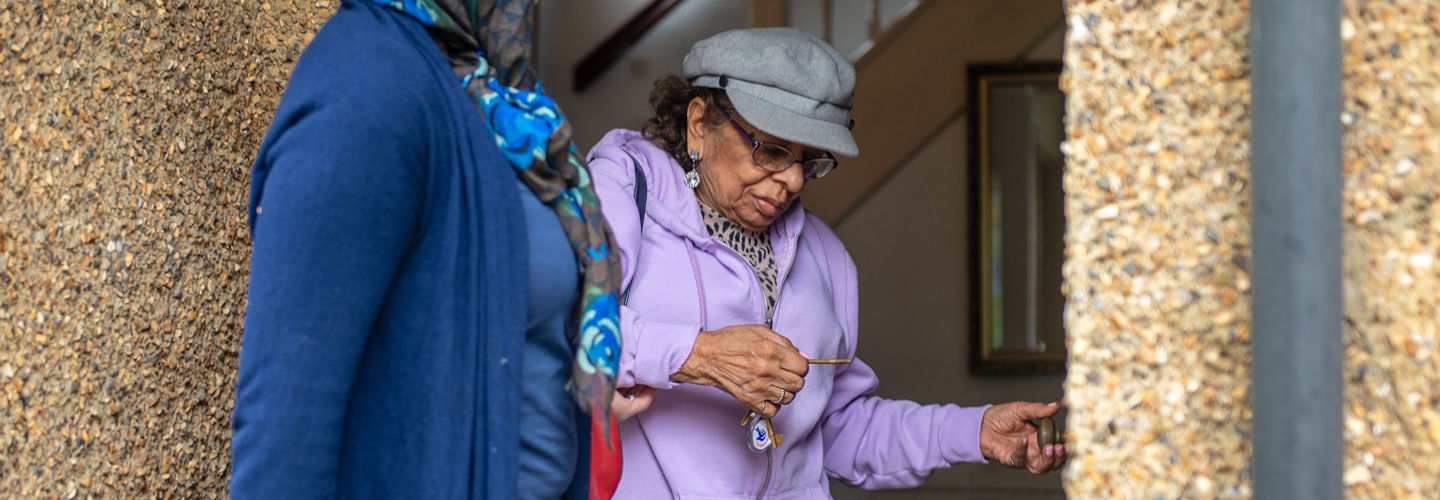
(734, 287)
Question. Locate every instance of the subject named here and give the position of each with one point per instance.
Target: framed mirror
(1017, 217)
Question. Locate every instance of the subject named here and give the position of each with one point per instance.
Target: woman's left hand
(630, 401)
(1007, 437)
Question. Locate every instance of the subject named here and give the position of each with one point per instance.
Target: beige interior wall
(126, 135)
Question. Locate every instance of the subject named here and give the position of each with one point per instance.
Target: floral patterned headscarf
(489, 47)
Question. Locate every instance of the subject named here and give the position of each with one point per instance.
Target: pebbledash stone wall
(127, 129)
(1157, 249)
(1391, 158)
(1156, 270)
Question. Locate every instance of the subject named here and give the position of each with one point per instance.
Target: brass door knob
(1048, 433)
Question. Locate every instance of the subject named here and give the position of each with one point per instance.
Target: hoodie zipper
(781, 274)
(769, 323)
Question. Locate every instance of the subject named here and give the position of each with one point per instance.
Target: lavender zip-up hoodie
(689, 443)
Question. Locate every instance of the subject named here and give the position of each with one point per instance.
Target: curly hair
(670, 102)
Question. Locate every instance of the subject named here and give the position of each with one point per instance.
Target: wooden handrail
(597, 61)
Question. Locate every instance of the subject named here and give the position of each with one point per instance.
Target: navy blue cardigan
(385, 323)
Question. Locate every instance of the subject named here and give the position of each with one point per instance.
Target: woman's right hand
(751, 362)
(1008, 437)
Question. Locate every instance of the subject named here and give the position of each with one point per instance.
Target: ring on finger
(781, 399)
(1012, 463)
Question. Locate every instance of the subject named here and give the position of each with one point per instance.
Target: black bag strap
(640, 190)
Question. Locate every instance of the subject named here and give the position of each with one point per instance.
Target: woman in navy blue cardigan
(431, 289)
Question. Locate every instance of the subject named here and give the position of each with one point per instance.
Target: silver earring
(692, 178)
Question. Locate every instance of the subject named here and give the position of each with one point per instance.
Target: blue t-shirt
(548, 441)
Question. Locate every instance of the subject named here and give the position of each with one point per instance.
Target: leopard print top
(753, 245)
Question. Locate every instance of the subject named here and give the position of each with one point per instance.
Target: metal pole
(1295, 98)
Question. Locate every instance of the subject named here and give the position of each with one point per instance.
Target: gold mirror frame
(1015, 125)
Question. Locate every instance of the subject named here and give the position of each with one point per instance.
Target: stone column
(1156, 269)
(127, 129)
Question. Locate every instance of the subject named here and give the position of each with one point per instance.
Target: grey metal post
(1295, 99)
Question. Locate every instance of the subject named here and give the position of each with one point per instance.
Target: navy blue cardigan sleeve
(338, 200)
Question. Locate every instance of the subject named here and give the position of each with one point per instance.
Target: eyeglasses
(776, 158)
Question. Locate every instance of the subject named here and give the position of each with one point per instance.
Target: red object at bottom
(605, 460)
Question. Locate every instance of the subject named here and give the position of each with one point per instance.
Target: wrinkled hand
(629, 401)
(751, 362)
(1008, 438)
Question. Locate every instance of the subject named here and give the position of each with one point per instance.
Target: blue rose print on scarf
(523, 122)
(600, 336)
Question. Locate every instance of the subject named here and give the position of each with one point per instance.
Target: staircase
(910, 58)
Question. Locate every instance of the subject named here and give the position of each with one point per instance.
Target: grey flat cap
(784, 81)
